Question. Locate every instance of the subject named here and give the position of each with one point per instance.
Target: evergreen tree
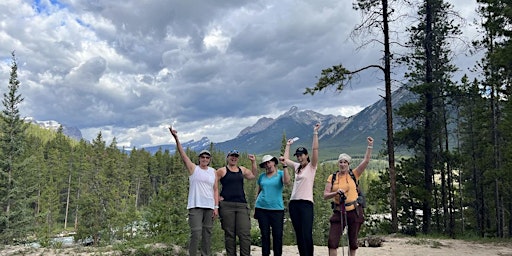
(168, 206)
(16, 217)
(475, 145)
(497, 73)
(377, 15)
(83, 166)
(93, 211)
(55, 176)
(425, 122)
(144, 184)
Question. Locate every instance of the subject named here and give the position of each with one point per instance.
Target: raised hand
(173, 132)
(317, 126)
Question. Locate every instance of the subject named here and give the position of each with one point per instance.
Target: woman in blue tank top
(269, 209)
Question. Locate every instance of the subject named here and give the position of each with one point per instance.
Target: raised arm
(367, 156)
(186, 160)
(286, 156)
(286, 176)
(253, 173)
(314, 147)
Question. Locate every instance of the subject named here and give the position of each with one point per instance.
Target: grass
(425, 242)
(433, 241)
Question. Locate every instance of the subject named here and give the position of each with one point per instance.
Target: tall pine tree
(16, 217)
(496, 71)
(425, 122)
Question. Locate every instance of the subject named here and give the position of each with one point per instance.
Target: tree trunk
(137, 193)
(510, 220)
(449, 176)
(77, 198)
(429, 106)
(436, 206)
(389, 118)
(499, 221)
(67, 201)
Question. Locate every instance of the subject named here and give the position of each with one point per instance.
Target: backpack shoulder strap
(350, 172)
(333, 179)
(353, 176)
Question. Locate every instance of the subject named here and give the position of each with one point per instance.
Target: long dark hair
(300, 166)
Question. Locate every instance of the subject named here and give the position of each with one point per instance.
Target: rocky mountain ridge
(337, 133)
(53, 125)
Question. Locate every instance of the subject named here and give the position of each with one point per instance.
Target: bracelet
(315, 133)
(370, 147)
(285, 166)
(216, 207)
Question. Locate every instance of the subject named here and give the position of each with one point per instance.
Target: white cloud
(215, 39)
(129, 68)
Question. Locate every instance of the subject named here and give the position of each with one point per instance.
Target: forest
(455, 182)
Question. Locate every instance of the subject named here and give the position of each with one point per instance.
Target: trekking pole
(348, 237)
(343, 220)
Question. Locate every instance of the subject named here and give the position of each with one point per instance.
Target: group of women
(205, 203)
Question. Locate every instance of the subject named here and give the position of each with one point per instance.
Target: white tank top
(200, 193)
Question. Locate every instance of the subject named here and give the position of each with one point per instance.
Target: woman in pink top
(301, 201)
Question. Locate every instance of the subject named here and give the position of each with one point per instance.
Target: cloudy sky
(130, 68)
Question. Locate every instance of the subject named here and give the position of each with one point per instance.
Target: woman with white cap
(203, 198)
(269, 208)
(344, 191)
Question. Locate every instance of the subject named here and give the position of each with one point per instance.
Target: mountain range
(337, 134)
(52, 125)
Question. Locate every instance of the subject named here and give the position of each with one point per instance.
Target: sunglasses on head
(233, 152)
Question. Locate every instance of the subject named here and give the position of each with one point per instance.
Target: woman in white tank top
(203, 198)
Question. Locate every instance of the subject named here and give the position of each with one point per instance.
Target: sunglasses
(233, 152)
(207, 157)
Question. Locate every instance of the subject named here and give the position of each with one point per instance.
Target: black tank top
(233, 186)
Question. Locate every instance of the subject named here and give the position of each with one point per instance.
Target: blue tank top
(233, 186)
(271, 193)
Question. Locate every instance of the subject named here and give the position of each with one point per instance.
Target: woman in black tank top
(233, 209)
(233, 186)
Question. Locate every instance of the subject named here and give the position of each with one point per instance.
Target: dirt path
(415, 247)
(396, 246)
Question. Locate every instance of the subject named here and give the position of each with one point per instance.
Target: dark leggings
(270, 221)
(301, 213)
